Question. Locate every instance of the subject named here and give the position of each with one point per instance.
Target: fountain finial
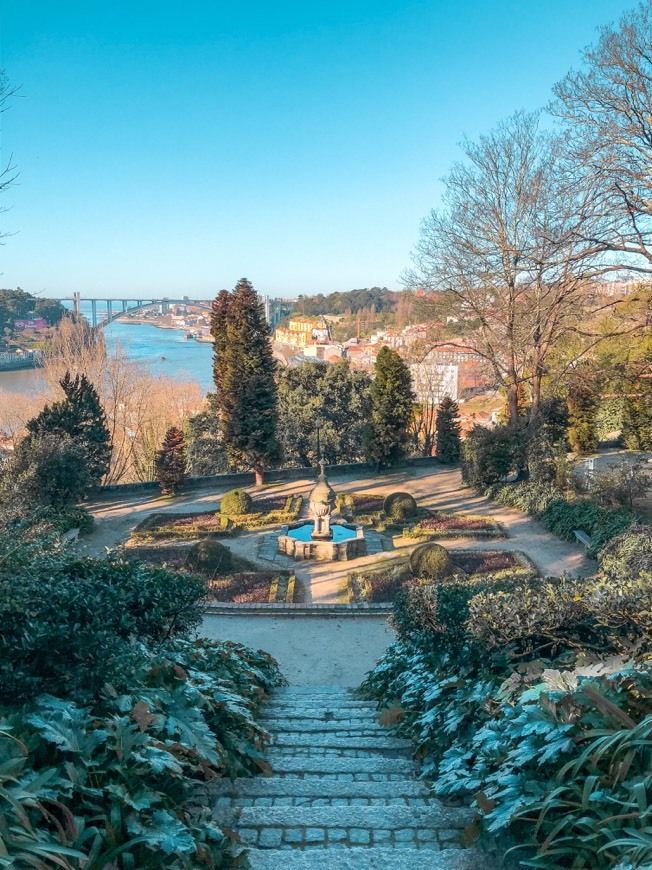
(322, 501)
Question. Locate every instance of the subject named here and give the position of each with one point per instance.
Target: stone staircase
(344, 794)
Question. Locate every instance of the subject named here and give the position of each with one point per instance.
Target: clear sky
(170, 148)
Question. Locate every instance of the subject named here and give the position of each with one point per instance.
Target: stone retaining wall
(246, 478)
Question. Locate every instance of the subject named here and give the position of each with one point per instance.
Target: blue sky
(170, 148)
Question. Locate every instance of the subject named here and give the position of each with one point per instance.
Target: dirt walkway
(439, 489)
(310, 649)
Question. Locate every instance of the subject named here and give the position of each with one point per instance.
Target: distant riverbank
(164, 351)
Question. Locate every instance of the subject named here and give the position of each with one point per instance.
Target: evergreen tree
(392, 409)
(582, 413)
(80, 416)
(244, 369)
(448, 431)
(637, 407)
(46, 470)
(170, 461)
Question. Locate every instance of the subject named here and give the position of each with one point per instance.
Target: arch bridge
(116, 307)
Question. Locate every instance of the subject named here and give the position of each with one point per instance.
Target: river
(165, 351)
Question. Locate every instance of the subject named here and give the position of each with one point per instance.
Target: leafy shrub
(123, 778)
(400, 506)
(602, 524)
(209, 558)
(561, 516)
(528, 496)
(70, 518)
(557, 614)
(432, 561)
(619, 485)
(70, 625)
(489, 455)
(46, 470)
(236, 502)
(627, 556)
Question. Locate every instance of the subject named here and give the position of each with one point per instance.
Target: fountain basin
(347, 542)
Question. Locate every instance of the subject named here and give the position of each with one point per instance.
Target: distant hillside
(349, 302)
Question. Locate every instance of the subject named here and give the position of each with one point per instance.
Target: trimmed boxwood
(400, 506)
(432, 561)
(209, 558)
(236, 502)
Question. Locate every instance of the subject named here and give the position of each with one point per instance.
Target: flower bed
(381, 583)
(444, 525)
(256, 587)
(191, 527)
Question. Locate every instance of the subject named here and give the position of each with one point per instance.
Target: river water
(165, 351)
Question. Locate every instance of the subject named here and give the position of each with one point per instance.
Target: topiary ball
(400, 506)
(431, 561)
(236, 502)
(209, 557)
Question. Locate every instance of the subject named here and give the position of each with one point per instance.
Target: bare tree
(8, 171)
(505, 259)
(607, 109)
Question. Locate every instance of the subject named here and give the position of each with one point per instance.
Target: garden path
(343, 793)
(440, 489)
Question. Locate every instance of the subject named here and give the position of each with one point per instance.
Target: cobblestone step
(319, 707)
(284, 787)
(365, 859)
(331, 692)
(337, 766)
(366, 727)
(370, 818)
(339, 741)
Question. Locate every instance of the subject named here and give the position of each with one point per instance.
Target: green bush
(70, 625)
(628, 556)
(83, 785)
(561, 516)
(236, 502)
(432, 561)
(489, 455)
(209, 558)
(400, 506)
(71, 518)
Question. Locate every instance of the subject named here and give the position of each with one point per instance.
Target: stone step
(302, 827)
(275, 786)
(335, 766)
(393, 818)
(356, 858)
(310, 689)
(336, 741)
(307, 706)
(350, 727)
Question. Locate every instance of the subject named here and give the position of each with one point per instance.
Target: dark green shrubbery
(70, 625)
(70, 518)
(400, 506)
(431, 561)
(236, 502)
(110, 721)
(533, 698)
(561, 516)
(209, 558)
(489, 455)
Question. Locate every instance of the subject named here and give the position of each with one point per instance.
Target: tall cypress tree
(392, 409)
(244, 369)
(448, 431)
(170, 461)
(80, 416)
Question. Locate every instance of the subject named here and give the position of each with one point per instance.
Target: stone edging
(273, 475)
(334, 609)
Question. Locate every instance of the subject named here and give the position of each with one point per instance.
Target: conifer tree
(582, 411)
(448, 431)
(392, 409)
(170, 461)
(80, 416)
(244, 369)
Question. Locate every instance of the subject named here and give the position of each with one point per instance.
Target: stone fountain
(320, 537)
